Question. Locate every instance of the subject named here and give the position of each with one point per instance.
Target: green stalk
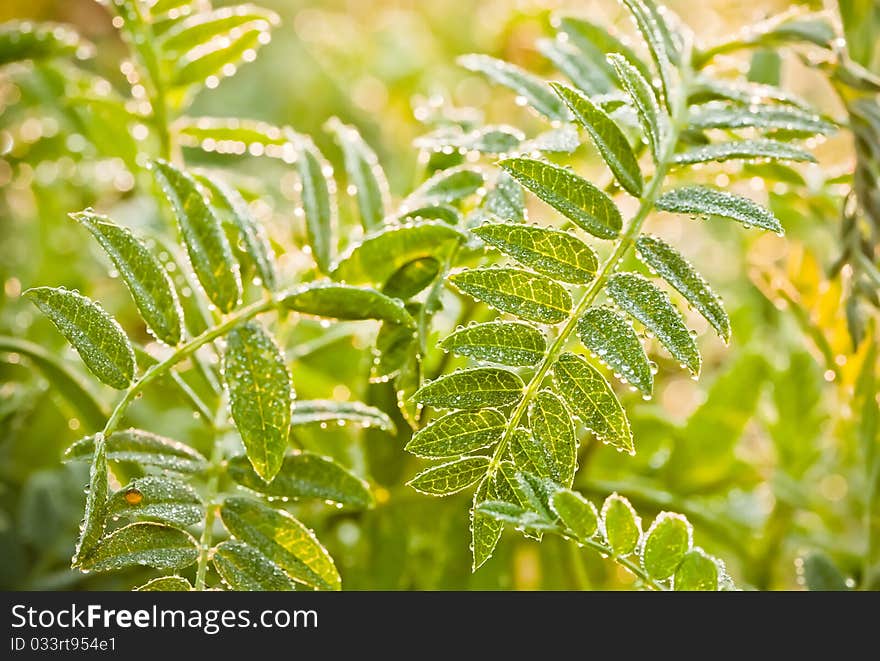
(214, 469)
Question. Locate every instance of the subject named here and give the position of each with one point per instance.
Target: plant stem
(610, 265)
(214, 467)
(633, 567)
(155, 371)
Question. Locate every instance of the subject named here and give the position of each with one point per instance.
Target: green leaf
(323, 411)
(534, 494)
(621, 525)
(96, 336)
(576, 512)
(696, 571)
(306, 475)
(553, 252)
(531, 88)
(144, 448)
(147, 280)
(458, 433)
(441, 212)
(283, 539)
(596, 42)
(260, 395)
(71, 385)
(520, 517)
(607, 136)
(328, 299)
(506, 198)
(574, 197)
(743, 150)
(678, 272)
(656, 35)
(642, 300)
(146, 544)
(562, 140)
(449, 478)
(209, 251)
(763, 116)
(26, 40)
(709, 89)
(377, 257)
(553, 430)
(571, 62)
(820, 574)
(394, 346)
(231, 135)
(244, 568)
(364, 173)
(698, 200)
(653, 120)
(492, 139)
(92, 529)
(411, 278)
(612, 339)
(317, 190)
(477, 388)
(666, 543)
(166, 584)
(219, 58)
(255, 242)
(485, 530)
(159, 498)
(531, 456)
(446, 186)
(503, 342)
(197, 29)
(590, 398)
(528, 296)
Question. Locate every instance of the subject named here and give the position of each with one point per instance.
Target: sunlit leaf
(325, 411)
(365, 175)
(328, 299)
(555, 253)
(551, 426)
(476, 388)
(652, 118)
(157, 498)
(526, 295)
(242, 567)
(458, 433)
(576, 512)
(590, 398)
(699, 200)
(639, 298)
(144, 448)
(166, 584)
(743, 150)
(613, 340)
(621, 525)
(26, 40)
(530, 455)
(146, 544)
(446, 186)
(666, 542)
(503, 342)
(571, 195)
(319, 208)
(696, 571)
(451, 477)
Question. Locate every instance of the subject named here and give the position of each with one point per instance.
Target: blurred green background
(763, 453)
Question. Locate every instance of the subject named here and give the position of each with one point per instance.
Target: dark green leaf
(306, 475)
(260, 396)
(678, 272)
(820, 574)
(477, 388)
(574, 197)
(92, 528)
(639, 298)
(589, 397)
(449, 478)
(411, 278)
(147, 544)
(143, 448)
(553, 252)
(504, 342)
(209, 251)
(528, 296)
(159, 498)
(149, 283)
(611, 338)
(97, 337)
